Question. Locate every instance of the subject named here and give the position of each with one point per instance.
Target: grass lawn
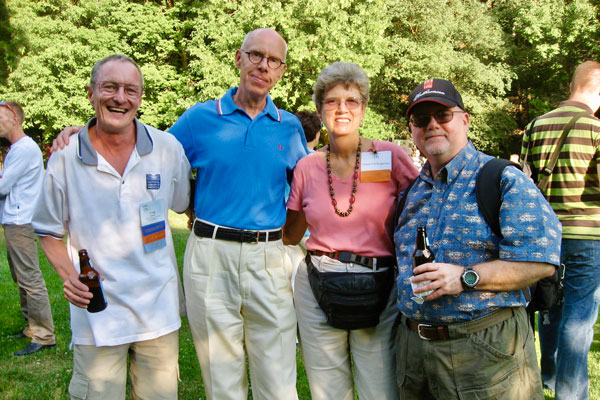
(46, 375)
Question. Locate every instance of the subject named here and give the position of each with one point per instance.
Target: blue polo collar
(226, 105)
(88, 155)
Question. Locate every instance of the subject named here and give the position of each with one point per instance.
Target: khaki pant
(239, 304)
(495, 363)
(330, 352)
(24, 266)
(100, 373)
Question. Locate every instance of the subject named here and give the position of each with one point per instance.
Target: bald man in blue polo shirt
(236, 272)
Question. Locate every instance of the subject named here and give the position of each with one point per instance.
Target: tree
(511, 60)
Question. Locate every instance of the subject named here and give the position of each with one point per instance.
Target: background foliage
(511, 60)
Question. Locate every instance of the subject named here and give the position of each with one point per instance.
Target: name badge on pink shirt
(375, 167)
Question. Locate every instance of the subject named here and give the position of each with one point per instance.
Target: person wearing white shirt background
(20, 185)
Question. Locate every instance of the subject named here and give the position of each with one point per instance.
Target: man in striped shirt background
(574, 194)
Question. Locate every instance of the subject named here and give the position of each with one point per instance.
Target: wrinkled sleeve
(531, 229)
(181, 182)
(52, 212)
(14, 169)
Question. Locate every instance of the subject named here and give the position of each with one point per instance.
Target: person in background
(311, 124)
(109, 192)
(470, 337)
(20, 186)
(574, 194)
(348, 208)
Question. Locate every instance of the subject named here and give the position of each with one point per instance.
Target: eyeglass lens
(110, 88)
(442, 117)
(256, 57)
(333, 104)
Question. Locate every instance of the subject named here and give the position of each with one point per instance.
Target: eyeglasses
(351, 103)
(4, 103)
(256, 57)
(421, 120)
(110, 88)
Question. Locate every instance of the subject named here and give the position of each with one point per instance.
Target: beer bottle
(89, 276)
(421, 255)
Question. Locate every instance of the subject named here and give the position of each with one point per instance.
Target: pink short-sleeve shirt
(367, 230)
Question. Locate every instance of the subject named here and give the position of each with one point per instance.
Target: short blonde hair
(16, 107)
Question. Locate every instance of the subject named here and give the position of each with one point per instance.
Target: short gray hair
(114, 57)
(340, 72)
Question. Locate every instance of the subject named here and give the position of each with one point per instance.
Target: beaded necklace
(354, 182)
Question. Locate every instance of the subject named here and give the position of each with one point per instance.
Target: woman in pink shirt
(345, 194)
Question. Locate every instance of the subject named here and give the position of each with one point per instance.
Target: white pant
(326, 350)
(239, 302)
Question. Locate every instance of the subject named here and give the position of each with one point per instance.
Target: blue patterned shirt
(458, 234)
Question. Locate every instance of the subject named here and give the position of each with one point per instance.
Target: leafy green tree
(510, 59)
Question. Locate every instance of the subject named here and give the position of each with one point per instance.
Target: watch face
(470, 278)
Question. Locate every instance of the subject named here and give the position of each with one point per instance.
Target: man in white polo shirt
(109, 192)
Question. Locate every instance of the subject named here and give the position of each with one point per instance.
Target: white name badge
(375, 167)
(152, 216)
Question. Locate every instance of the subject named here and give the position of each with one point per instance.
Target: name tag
(152, 216)
(376, 167)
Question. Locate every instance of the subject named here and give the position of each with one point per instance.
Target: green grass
(46, 375)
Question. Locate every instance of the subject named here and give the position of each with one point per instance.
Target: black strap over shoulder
(401, 203)
(489, 193)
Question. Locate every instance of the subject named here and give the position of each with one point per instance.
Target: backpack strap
(401, 203)
(488, 191)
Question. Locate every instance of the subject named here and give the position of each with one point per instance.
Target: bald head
(265, 32)
(585, 85)
(586, 77)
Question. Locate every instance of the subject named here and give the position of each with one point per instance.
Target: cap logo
(428, 92)
(428, 84)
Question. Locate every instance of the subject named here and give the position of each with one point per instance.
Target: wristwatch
(469, 279)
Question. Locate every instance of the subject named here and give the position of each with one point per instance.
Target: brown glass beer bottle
(89, 276)
(421, 255)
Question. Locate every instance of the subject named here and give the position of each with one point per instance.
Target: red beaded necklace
(354, 182)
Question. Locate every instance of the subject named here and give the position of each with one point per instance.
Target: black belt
(440, 332)
(349, 257)
(203, 229)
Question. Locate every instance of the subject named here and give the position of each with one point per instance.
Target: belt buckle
(419, 326)
(255, 240)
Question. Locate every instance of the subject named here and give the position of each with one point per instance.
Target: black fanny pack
(351, 300)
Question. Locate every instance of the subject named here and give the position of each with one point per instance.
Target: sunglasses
(4, 103)
(421, 120)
